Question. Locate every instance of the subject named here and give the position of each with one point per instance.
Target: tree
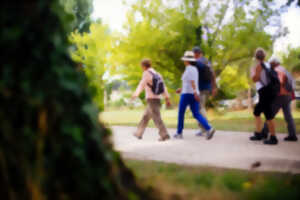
(91, 50)
(80, 10)
(51, 143)
(291, 61)
(230, 87)
(163, 34)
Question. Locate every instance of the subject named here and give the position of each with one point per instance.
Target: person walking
(207, 82)
(284, 99)
(190, 96)
(259, 75)
(153, 100)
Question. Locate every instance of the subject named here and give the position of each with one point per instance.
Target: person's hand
(178, 91)
(168, 103)
(197, 96)
(133, 97)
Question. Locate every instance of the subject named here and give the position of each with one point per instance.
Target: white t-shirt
(190, 74)
(263, 78)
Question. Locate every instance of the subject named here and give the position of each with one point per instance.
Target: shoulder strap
(152, 73)
(266, 73)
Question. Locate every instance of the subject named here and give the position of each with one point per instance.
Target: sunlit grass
(185, 182)
(231, 121)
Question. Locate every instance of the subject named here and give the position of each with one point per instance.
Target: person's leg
(203, 97)
(258, 124)
(273, 139)
(184, 99)
(269, 114)
(143, 123)
(258, 109)
(155, 106)
(194, 105)
(276, 106)
(286, 107)
(271, 126)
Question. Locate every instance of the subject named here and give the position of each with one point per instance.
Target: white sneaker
(200, 133)
(210, 133)
(178, 136)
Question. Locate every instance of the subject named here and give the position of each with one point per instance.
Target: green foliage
(163, 33)
(212, 183)
(291, 61)
(232, 82)
(234, 181)
(92, 51)
(51, 143)
(80, 10)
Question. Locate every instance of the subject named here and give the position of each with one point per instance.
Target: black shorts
(264, 104)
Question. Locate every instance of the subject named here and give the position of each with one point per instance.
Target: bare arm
(196, 93)
(140, 87)
(194, 86)
(256, 76)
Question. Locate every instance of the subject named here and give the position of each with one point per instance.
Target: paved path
(226, 150)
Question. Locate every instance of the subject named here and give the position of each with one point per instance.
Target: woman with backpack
(154, 87)
(190, 96)
(261, 76)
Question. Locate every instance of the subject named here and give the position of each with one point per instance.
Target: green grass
(173, 181)
(231, 121)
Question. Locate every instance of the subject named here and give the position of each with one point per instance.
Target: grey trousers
(284, 102)
(152, 112)
(203, 97)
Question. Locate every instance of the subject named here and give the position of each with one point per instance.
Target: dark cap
(197, 49)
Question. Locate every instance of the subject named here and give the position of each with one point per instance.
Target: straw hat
(188, 56)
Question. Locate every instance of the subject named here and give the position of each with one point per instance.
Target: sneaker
(200, 133)
(210, 133)
(256, 136)
(161, 139)
(273, 140)
(291, 138)
(137, 136)
(178, 136)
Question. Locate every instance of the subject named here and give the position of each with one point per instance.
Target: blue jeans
(189, 100)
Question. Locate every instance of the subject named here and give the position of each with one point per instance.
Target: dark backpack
(205, 73)
(273, 86)
(157, 86)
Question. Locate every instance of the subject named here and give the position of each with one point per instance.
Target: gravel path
(226, 150)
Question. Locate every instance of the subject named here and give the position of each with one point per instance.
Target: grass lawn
(232, 121)
(172, 182)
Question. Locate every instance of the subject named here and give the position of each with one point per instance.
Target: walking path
(226, 150)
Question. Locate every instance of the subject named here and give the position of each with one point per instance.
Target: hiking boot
(256, 137)
(291, 138)
(210, 133)
(178, 136)
(137, 136)
(200, 133)
(273, 140)
(166, 137)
